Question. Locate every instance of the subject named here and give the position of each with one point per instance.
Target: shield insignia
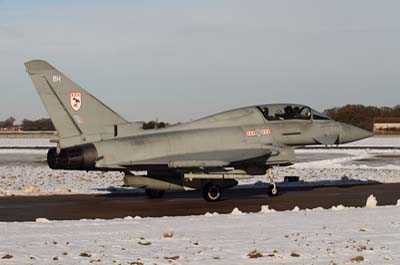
(76, 101)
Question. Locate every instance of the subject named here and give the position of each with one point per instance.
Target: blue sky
(180, 60)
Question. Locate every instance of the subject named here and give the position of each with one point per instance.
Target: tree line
(27, 125)
(357, 115)
(362, 116)
(45, 124)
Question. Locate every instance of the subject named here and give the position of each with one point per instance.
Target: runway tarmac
(108, 206)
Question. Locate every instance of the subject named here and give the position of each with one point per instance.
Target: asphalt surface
(75, 207)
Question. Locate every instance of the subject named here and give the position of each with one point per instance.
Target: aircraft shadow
(243, 191)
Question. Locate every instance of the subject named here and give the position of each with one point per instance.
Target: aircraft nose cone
(352, 133)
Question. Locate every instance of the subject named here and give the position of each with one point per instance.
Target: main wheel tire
(212, 192)
(154, 194)
(273, 190)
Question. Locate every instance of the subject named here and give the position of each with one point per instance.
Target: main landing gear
(212, 189)
(212, 192)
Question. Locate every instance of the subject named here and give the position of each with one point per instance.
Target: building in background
(387, 125)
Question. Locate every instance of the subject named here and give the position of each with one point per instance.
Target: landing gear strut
(212, 192)
(272, 189)
(154, 194)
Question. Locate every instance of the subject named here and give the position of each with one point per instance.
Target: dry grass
(172, 258)
(168, 235)
(7, 256)
(255, 254)
(357, 259)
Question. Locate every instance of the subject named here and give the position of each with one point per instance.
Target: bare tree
(37, 125)
(8, 123)
(362, 116)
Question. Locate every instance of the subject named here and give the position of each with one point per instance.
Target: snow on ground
(359, 164)
(337, 236)
(37, 178)
(42, 180)
(390, 141)
(25, 142)
(25, 171)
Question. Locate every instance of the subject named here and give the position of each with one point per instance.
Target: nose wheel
(272, 189)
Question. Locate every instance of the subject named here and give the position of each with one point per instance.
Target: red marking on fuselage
(258, 132)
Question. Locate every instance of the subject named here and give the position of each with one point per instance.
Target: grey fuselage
(222, 139)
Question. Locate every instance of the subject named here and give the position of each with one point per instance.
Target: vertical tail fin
(73, 111)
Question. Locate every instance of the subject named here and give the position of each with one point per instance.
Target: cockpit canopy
(276, 112)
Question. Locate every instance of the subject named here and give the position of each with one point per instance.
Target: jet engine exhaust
(76, 158)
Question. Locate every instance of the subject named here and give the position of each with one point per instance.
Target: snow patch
(339, 207)
(31, 189)
(5, 193)
(236, 211)
(266, 209)
(318, 209)
(26, 142)
(398, 203)
(390, 141)
(371, 201)
(42, 220)
(318, 237)
(296, 209)
(208, 214)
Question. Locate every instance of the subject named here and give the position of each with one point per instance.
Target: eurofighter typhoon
(209, 154)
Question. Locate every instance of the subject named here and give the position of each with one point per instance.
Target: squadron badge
(76, 101)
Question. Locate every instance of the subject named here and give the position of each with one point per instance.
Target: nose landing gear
(272, 189)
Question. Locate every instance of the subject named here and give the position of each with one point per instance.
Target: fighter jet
(209, 154)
